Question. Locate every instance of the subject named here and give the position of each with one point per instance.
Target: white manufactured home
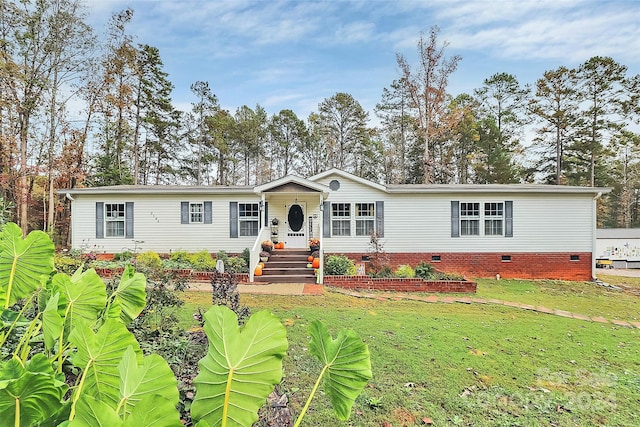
(525, 231)
(618, 247)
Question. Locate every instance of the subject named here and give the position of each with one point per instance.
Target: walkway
(313, 289)
(474, 300)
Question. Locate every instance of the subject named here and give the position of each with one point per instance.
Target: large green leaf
(347, 365)
(240, 369)
(154, 411)
(131, 294)
(154, 376)
(23, 262)
(83, 296)
(99, 355)
(31, 391)
(52, 323)
(91, 412)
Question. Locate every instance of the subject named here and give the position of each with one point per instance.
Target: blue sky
(294, 54)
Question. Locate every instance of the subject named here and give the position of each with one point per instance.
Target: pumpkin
(309, 265)
(257, 271)
(261, 264)
(310, 258)
(316, 263)
(281, 245)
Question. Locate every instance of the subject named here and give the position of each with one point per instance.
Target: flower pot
(314, 248)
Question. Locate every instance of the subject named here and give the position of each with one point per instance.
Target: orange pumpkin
(281, 245)
(316, 263)
(257, 271)
(310, 258)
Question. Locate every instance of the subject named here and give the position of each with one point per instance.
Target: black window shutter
(380, 218)
(128, 214)
(266, 214)
(233, 219)
(326, 219)
(455, 218)
(508, 218)
(208, 213)
(184, 212)
(99, 220)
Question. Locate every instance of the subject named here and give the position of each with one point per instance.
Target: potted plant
(314, 244)
(264, 256)
(267, 245)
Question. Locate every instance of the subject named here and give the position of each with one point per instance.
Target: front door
(296, 234)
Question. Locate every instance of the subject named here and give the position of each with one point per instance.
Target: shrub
(222, 255)
(383, 272)
(202, 261)
(405, 270)
(66, 264)
(246, 256)
(425, 271)
(235, 265)
(339, 265)
(149, 260)
(180, 256)
(123, 256)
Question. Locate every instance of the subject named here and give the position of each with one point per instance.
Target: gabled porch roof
(292, 184)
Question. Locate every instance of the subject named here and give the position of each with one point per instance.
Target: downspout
(593, 235)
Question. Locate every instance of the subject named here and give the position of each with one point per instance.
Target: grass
(479, 365)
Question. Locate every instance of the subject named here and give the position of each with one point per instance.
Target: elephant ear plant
(80, 337)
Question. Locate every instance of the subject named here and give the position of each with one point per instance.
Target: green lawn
(478, 365)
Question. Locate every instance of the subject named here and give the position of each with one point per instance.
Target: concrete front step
(285, 278)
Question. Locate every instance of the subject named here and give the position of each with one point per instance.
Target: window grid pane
(196, 210)
(470, 227)
(114, 219)
(340, 228)
(248, 214)
(493, 214)
(365, 219)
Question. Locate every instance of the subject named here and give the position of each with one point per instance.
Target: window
(114, 218)
(469, 219)
(196, 211)
(340, 219)
(248, 219)
(493, 219)
(365, 219)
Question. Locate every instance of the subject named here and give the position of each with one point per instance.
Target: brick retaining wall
(400, 284)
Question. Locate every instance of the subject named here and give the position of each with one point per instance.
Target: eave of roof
(162, 189)
(618, 233)
(494, 188)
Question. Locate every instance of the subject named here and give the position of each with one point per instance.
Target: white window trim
(365, 218)
(481, 218)
(192, 212)
(246, 219)
(336, 218)
(108, 220)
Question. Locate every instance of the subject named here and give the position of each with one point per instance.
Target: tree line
(573, 126)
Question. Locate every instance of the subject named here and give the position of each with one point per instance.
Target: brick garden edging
(400, 284)
(200, 276)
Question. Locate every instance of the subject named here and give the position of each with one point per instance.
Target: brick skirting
(400, 284)
(510, 265)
